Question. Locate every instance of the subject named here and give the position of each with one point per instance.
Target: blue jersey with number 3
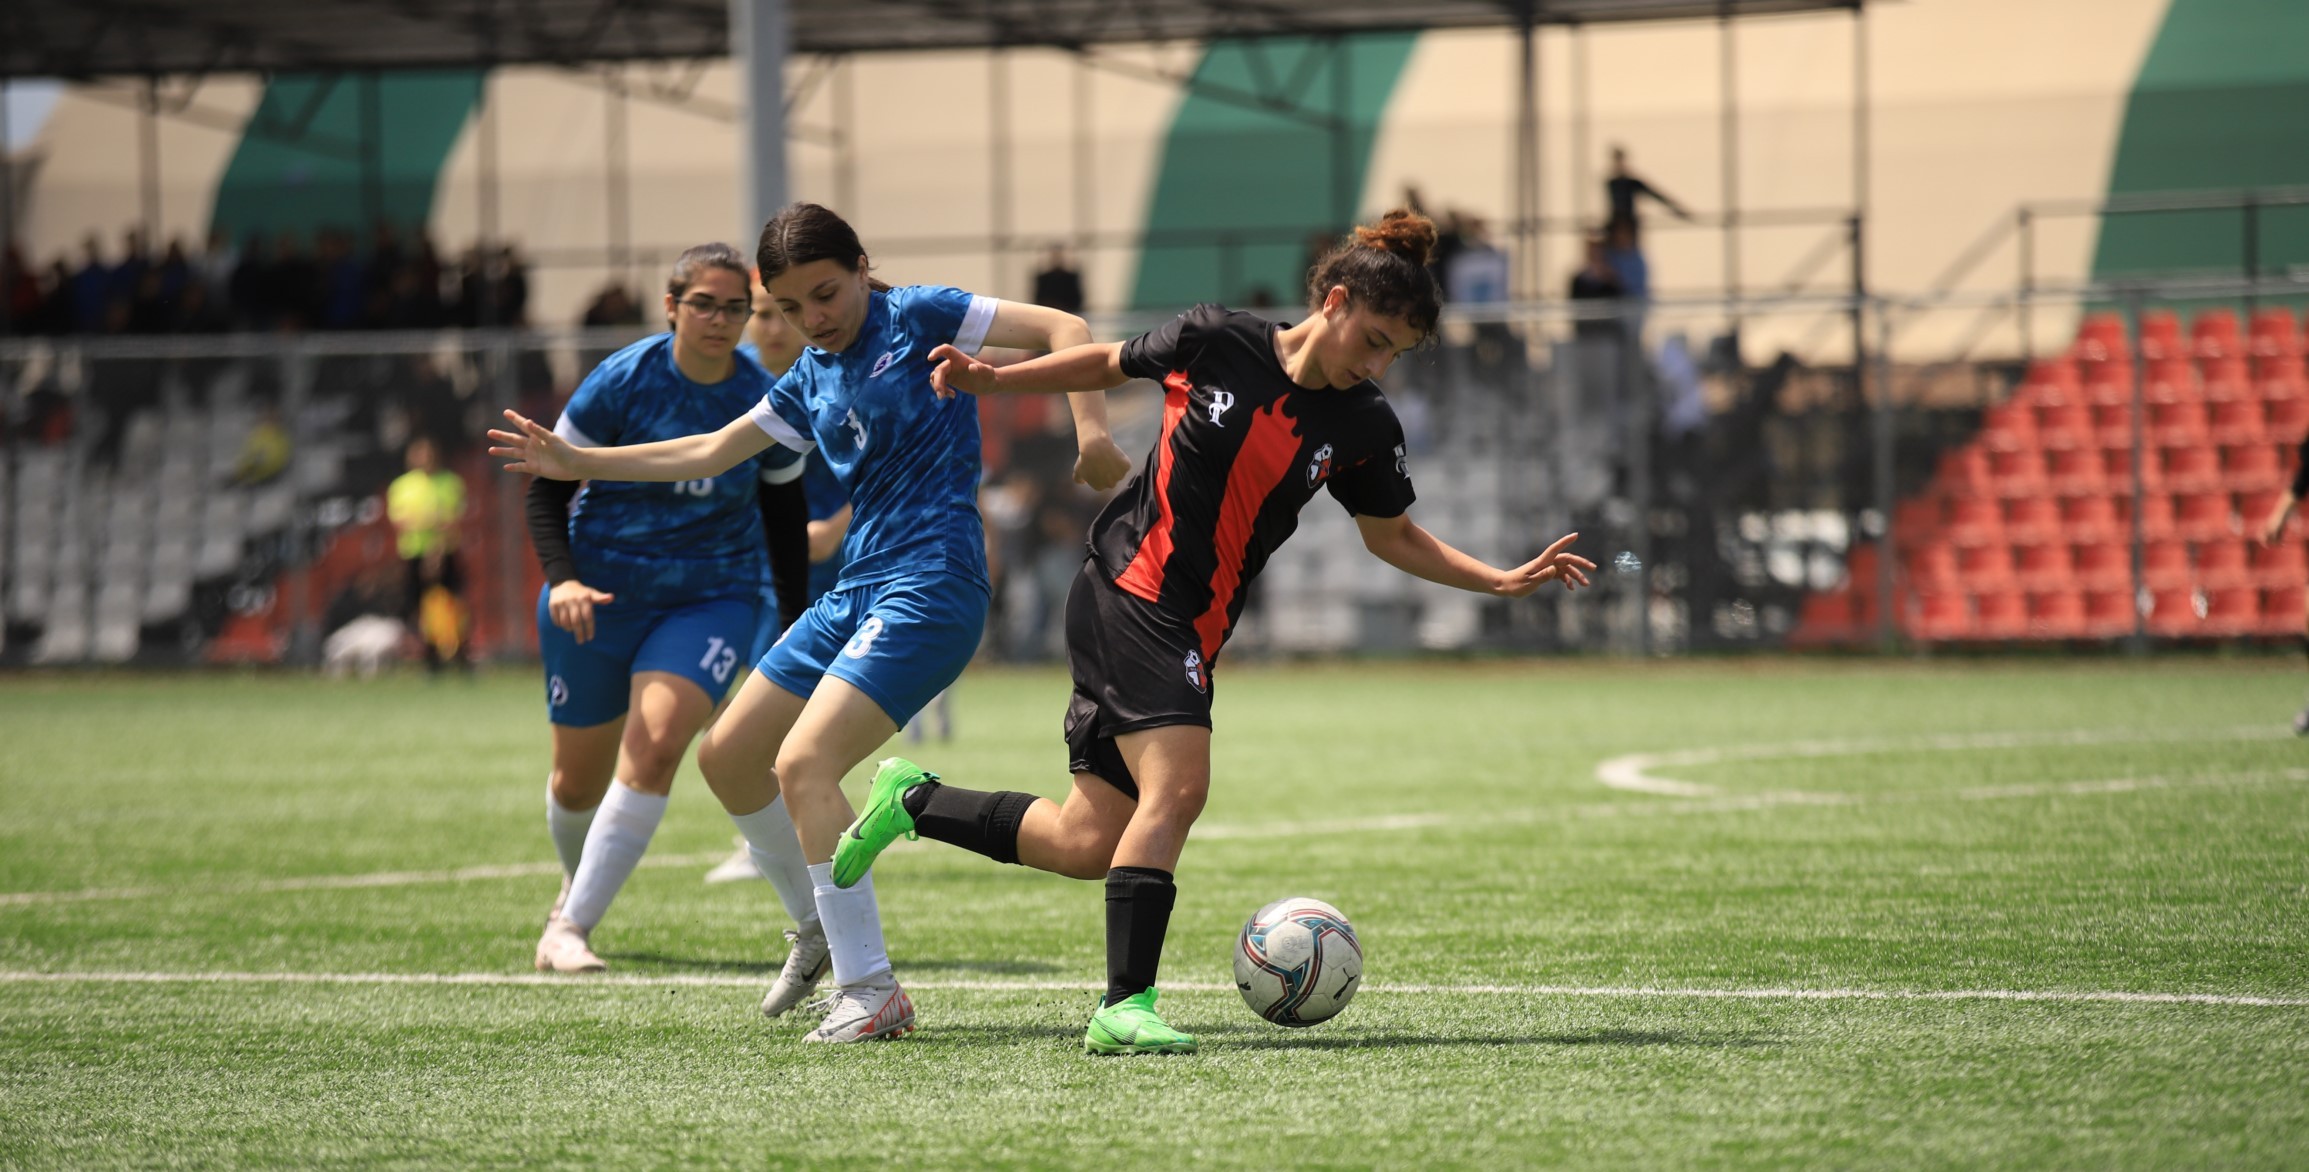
(909, 459)
(666, 544)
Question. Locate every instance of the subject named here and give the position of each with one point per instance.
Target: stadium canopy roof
(84, 39)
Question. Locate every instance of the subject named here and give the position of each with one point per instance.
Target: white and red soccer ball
(1297, 962)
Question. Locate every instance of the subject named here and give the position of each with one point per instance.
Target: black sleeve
(786, 530)
(548, 506)
(1380, 484)
(1167, 347)
(2301, 469)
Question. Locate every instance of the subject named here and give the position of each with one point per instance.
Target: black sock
(1138, 916)
(971, 819)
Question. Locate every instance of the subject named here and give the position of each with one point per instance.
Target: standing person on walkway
(424, 504)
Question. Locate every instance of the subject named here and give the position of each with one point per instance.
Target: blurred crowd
(336, 281)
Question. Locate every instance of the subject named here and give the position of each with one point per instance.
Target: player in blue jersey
(652, 595)
(909, 609)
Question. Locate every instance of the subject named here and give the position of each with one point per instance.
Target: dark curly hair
(1383, 267)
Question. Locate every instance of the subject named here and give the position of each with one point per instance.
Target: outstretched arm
(533, 448)
(1096, 366)
(1407, 547)
(1099, 463)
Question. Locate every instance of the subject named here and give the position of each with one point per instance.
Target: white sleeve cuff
(568, 431)
(786, 475)
(777, 428)
(976, 320)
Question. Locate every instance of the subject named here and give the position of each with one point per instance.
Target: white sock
(853, 928)
(621, 831)
(777, 854)
(568, 829)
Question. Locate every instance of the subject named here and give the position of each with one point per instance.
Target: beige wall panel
(89, 181)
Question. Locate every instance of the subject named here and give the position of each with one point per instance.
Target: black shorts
(1136, 666)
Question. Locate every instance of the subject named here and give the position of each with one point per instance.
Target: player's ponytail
(1383, 267)
(805, 232)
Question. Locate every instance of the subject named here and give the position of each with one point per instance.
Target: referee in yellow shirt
(425, 504)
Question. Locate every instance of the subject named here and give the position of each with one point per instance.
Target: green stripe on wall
(2222, 102)
(303, 164)
(1274, 180)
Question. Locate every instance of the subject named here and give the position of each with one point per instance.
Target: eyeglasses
(708, 308)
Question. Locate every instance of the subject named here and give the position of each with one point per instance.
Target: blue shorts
(591, 683)
(901, 642)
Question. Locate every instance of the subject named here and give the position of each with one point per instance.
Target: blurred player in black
(1257, 419)
(2273, 531)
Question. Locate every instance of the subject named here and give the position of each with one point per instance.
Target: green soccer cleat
(883, 822)
(1131, 1026)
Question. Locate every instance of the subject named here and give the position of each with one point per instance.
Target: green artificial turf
(1883, 923)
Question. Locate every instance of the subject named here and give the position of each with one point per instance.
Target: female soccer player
(651, 594)
(907, 614)
(1256, 419)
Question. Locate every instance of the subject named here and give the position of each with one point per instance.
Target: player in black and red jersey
(1257, 418)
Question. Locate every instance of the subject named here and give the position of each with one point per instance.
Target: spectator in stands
(19, 292)
(613, 306)
(424, 505)
(1476, 274)
(295, 286)
(265, 452)
(1058, 285)
(219, 260)
(1627, 261)
(91, 289)
(1596, 280)
(1622, 189)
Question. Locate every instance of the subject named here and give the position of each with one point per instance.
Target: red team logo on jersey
(1319, 468)
(1195, 676)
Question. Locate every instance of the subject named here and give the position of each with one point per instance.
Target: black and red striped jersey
(1242, 450)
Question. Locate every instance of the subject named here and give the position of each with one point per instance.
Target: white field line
(336, 882)
(679, 980)
(1633, 772)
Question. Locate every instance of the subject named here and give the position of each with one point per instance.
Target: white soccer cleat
(807, 960)
(862, 1013)
(563, 949)
(735, 868)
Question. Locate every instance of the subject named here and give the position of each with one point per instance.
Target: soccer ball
(1298, 962)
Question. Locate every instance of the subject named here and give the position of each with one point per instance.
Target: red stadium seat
(2104, 565)
(1975, 520)
(1933, 569)
(2285, 564)
(2252, 467)
(2057, 614)
(2009, 426)
(2113, 425)
(1916, 520)
(2107, 384)
(2017, 473)
(2032, 519)
(2223, 564)
(2085, 519)
(2065, 425)
(2226, 381)
(2117, 463)
(2102, 334)
(2176, 612)
(1860, 566)
(2282, 384)
(2075, 472)
(2287, 419)
(1824, 618)
(2214, 334)
(2051, 382)
(2109, 613)
(2171, 382)
(2160, 332)
(2232, 610)
(2001, 615)
(2195, 468)
(1940, 617)
(2045, 566)
(2275, 334)
(1965, 472)
(2156, 516)
(2282, 610)
(2237, 421)
(2165, 565)
(1985, 567)
(2179, 424)
(2204, 516)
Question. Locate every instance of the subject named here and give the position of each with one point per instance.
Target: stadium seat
(2231, 610)
(2017, 473)
(2075, 472)
(1984, 568)
(2237, 421)
(2176, 612)
(2179, 424)
(1933, 569)
(2008, 427)
(2045, 566)
(2101, 337)
(2204, 516)
(2281, 610)
(2000, 615)
(2057, 614)
(2165, 565)
(2085, 519)
(1940, 617)
(2225, 381)
(1860, 566)
(1965, 471)
(2286, 419)
(2252, 467)
(2109, 613)
(2156, 516)
(2196, 468)
(2281, 565)
(2065, 425)
(1975, 520)
(1915, 521)
(2213, 334)
(2051, 382)
(2032, 519)
(2223, 564)
(1826, 617)
(2113, 425)
(2103, 565)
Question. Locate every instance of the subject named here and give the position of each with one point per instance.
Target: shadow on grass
(1000, 968)
(664, 962)
(1226, 1038)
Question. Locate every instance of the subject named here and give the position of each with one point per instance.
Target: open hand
(534, 449)
(1100, 464)
(1557, 564)
(952, 371)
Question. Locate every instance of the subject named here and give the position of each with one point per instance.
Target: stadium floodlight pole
(759, 38)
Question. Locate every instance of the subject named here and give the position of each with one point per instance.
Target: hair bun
(1405, 233)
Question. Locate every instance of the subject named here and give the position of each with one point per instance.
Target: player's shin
(622, 828)
(777, 853)
(853, 924)
(1138, 917)
(975, 820)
